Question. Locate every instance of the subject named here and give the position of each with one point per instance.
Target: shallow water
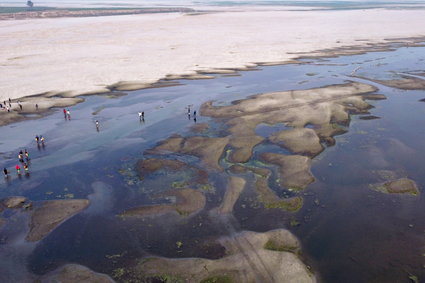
(349, 232)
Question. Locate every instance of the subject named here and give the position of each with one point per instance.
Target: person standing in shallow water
(97, 125)
(6, 174)
(18, 169)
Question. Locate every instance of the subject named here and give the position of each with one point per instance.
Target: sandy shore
(76, 56)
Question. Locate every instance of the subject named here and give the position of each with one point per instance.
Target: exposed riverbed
(348, 231)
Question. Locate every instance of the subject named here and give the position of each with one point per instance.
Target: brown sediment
(209, 150)
(233, 191)
(195, 76)
(199, 128)
(285, 100)
(60, 13)
(265, 194)
(148, 166)
(405, 82)
(71, 273)
(374, 96)
(188, 201)
(137, 85)
(294, 169)
(51, 214)
(369, 117)
(399, 186)
(299, 141)
(170, 145)
(250, 258)
(14, 201)
(325, 109)
(243, 147)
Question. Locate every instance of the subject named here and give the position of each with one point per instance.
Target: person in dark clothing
(6, 174)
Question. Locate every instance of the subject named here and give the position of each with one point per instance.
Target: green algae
(274, 246)
(292, 204)
(218, 279)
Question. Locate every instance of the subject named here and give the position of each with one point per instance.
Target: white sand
(87, 54)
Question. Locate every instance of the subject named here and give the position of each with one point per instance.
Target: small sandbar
(233, 191)
(299, 141)
(266, 195)
(294, 169)
(51, 214)
(406, 83)
(209, 150)
(251, 257)
(75, 273)
(187, 201)
(399, 186)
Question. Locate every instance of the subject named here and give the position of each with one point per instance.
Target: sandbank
(250, 257)
(89, 55)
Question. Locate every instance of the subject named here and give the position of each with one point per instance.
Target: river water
(349, 232)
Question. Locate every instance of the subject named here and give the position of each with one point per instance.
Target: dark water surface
(349, 232)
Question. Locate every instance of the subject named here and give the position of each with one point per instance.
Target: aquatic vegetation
(265, 194)
(273, 246)
(218, 279)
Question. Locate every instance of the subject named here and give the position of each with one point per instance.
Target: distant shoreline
(51, 12)
(59, 59)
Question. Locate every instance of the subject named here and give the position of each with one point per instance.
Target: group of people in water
(23, 156)
(24, 161)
